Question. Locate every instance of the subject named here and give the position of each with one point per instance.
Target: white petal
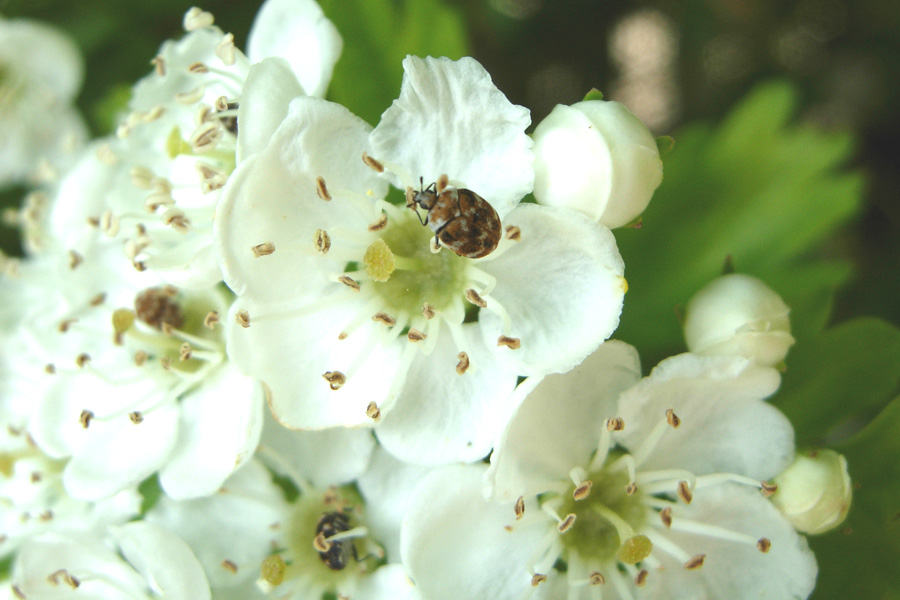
(164, 559)
(271, 198)
(218, 431)
(267, 94)
(328, 457)
(451, 119)
(732, 569)
(725, 424)
(386, 486)
(441, 416)
(455, 545)
(562, 286)
(291, 354)
(298, 31)
(387, 583)
(244, 510)
(45, 55)
(558, 425)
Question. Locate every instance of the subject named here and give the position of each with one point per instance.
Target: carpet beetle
(338, 555)
(464, 221)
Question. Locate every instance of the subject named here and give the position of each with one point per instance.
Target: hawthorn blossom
(41, 72)
(653, 492)
(350, 316)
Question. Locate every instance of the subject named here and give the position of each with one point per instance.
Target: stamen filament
(712, 531)
(650, 442)
(624, 530)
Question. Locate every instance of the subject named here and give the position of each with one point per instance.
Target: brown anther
(157, 307)
(243, 318)
(641, 578)
(165, 362)
(508, 527)
(665, 515)
(50, 369)
(230, 565)
(47, 515)
(264, 249)
(36, 477)
(510, 342)
(196, 18)
(415, 335)
(473, 297)
(349, 282)
(93, 221)
(566, 523)
(63, 326)
(463, 365)
(520, 507)
(684, 492)
(631, 488)
(373, 412)
(383, 317)
(615, 424)
(321, 544)
(85, 418)
(225, 50)
(98, 299)
(763, 545)
(159, 65)
(185, 352)
(767, 488)
(513, 233)
(672, 419)
(695, 562)
(198, 68)
(441, 184)
(140, 357)
(380, 224)
(82, 360)
(322, 241)
(221, 104)
(322, 190)
(335, 379)
(211, 319)
(330, 497)
(583, 490)
(537, 579)
(136, 417)
(428, 311)
(372, 163)
(75, 259)
(343, 335)
(596, 578)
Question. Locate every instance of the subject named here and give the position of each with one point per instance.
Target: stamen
(513, 233)
(768, 489)
(82, 360)
(415, 335)
(225, 50)
(665, 515)
(264, 249)
(463, 365)
(243, 318)
(473, 297)
(335, 379)
(567, 523)
(718, 478)
(373, 412)
(198, 68)
(322, 190)
(196, 18)
(372, 163)
(75, 259)
(380, 224)
(713, 531)
(695, 562)
(428, 311)
(159, 65)
(350, 283)
(211, 319)
(672, 419)
(85, 418)
(136, 417)
(615, 424)
(510, 342)
(763, 545)
(185, 352)
(322, 241)
(383, 317)
(650, 442)
(230, 565)
(684, 492)
(537, 579)
(520, 507)
(582, 491)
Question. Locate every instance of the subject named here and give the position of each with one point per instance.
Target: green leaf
(378, 34)
(858, 560)
(843, 374)
(764, 191)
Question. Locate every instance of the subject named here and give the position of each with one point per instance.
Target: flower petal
(386, 583)
(562, 286)
(725, 424)
(267, 94)
(272, 198)
(546, 438)
(441, 416)
(218, 431)
(298, 31)
(455, 545)
(451, 119)
(291, 355)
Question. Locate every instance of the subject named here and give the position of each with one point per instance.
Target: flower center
(421, 275)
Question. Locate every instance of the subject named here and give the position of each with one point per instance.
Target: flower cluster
(259, 348)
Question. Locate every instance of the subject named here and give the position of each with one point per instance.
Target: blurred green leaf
(859, 559)
(758, 189)
(378, 34)
(845, 373)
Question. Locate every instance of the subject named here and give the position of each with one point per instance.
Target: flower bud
(814, 493)
(738, 315)
(597, 158)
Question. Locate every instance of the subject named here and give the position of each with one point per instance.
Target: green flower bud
(814, 493)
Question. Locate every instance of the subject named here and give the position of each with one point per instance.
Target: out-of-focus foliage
(757, 189)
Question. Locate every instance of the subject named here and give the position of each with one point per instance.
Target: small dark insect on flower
(464, 221)
(338, 554)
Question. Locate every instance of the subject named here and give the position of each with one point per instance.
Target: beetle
(338, 554)
(464, 221)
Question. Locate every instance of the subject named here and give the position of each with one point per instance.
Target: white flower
(138, 561)
(40, 74)
(597, 158)
(815, 492)
(349, 317)
(738, 315)
(673, 510)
